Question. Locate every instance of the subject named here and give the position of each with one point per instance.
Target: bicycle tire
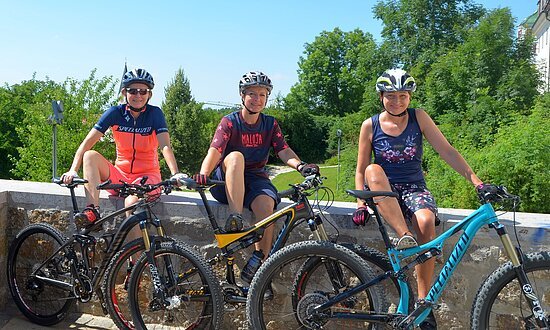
(377, 261)
(115, 284)
(40, 303)
(499, 302)
(203, 307)
(278, 273)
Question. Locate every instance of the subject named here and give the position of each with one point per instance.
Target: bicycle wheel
(116, 280)
(500, 303)
(193, 296)
(379, 264)
(40, 301)
(275, 309)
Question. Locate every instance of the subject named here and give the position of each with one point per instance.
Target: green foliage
(187, 125)
(83, 101)
(333, 71)
(303, 133)
(476, 88)
(417, 34)
(520, 158)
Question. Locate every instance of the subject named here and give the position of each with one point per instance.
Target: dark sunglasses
(134, 91)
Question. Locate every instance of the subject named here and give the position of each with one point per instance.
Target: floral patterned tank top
(400, 156)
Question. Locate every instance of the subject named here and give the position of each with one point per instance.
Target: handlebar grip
(286, 193)
(76, 181)
(108, 185)
(192, 184)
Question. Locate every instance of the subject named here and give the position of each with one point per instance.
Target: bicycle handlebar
(498, 194)
(74, 183)
(192, 184)
(126, 189)
(309, 182)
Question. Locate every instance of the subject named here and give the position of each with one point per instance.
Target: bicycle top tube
(300, 208)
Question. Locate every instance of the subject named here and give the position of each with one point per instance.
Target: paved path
(12, 319)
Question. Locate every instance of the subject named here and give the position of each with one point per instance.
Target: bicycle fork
(516, 257)
(160, 300)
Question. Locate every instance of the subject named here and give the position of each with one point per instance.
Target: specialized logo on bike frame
(252, 140)
(449, 266)
(155, 277)
(300, 206)
(137, 130)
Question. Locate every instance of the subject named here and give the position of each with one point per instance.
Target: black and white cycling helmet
(395, 80)
(138, 76)
(255, 78)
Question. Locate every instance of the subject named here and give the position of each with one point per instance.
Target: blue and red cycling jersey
(253, 141)
(135, 138)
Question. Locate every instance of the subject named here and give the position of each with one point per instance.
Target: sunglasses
(135, 91)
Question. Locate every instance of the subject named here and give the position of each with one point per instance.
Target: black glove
(200, 179)
(361, 216)
(308, 169)
(487, 192)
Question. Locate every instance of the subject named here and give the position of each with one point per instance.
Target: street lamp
(339, 135)
(55, 119)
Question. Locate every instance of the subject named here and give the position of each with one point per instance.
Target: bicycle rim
(293, 298)
(500, 303)
(116, 282)
(39, 301)
(194, 295)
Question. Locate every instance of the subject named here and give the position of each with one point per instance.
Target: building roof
(530, 21)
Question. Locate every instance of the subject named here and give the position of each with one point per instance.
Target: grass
(283, 180)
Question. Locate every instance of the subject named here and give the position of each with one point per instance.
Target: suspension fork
(334, 270)
(516, 257)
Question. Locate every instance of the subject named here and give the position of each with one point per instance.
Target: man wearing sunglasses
(139, 130)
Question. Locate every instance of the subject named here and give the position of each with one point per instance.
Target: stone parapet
(185, 218)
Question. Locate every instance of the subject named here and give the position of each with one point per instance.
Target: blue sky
(214, 42)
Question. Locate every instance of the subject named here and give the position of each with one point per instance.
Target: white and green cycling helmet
(395, 80)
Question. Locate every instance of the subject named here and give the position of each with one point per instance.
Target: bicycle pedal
(234, 223)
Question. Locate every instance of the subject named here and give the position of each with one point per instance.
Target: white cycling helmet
(395, 80)
(255, 78)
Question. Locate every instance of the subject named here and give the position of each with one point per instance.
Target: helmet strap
(137, 109)
(250, 112)
(402, 114)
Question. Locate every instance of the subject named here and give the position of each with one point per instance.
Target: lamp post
(55, 119)
(339, 135)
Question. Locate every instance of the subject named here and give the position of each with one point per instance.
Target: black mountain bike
(514, 296)
(147, 307)
(48, 272)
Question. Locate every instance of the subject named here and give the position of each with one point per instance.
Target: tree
(176, 94)
(476, 88)
(84, 101)
(520, 157)
(333, 72)
(187, 124)
(419, 31)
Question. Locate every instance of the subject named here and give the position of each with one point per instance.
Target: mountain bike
(48, 272)
(144, 306)
(514, 296)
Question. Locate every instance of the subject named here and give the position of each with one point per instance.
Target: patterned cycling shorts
(414, 197)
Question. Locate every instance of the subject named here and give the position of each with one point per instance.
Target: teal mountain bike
(514, 296)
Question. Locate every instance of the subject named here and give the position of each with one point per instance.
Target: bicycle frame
(484, 215)
(142, 216)
(229, 243)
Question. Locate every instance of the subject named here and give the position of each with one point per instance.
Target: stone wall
(22, 203)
